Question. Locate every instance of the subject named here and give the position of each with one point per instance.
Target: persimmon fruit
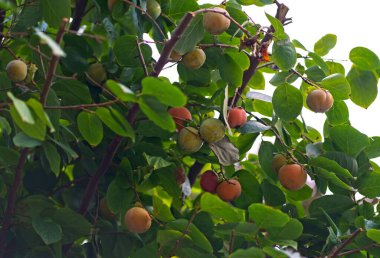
(278, 161)
(180, 115)
(292, 176)
(97, 73)
(237, 117)
(137, 220)
(153, 8)
(189, 140)
(216, 23)
(194, 59)
(17, 70)
(209, 181)
(229, 190)
(319, 100)
(212, 130)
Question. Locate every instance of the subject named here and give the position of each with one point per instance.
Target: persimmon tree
(100, 156)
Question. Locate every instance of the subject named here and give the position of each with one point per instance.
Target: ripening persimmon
(237, 117)
(209, 181)
(105, 211)
(212, 130)
(278, 161)
(189, 140)
(194, 59)
(137, 220)
(153, 8)
(229, 190)
(97, 73)
(180, 115)
(216, 23)
(319, 100)
(180, 175)
(292, 176)
(17, 70)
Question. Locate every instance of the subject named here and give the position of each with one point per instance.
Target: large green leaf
(25, 114)
(255, 2)
(363, 86)
(374, 234)
(364, 58)
(36, 131)
(54, 10)
(119, 198)
(373, 149)
(323, 46)
(267, 217)
(164, 91)
(252, 252)
(338, 113)
(284, 54)
(369, 185)
(292, 230)
(331, 204)
(287, 102)
(191, 37)
(48, 230)
(156, 112)
(220, 209)
(338, 85)
(330, 165)
(348, 139)
(176, 9)
(115, 121)
(131, 57)
(90, 127)
(279, 32)
(53, 157)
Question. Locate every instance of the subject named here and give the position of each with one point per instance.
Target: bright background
(354, 22)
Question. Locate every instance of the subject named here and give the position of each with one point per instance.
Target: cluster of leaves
(116, 140)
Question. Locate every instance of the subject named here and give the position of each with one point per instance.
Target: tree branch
(336, 251)
(53, 63)
(12, 197)
(103, 104)
(80, 8)
(194, 171)
(2, 18)
(282, 10)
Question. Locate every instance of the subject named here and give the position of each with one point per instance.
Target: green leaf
(374, 234)
(257, 81)
(131, 57)
(284, 54)
(53, 157)
(193, 232)
(369, 185)
(251, 191)
(255, 2)
(230, 70)
(331, 204)
(265, 151)
(299, 45)
(364, 58)
(323, 46)
(22, 109)
(373, 149)
(191, 37)
(157, 162)
(119, 198)
(363, 86)
(49, 231)
(338, 113)
(36, 130)
(162, 202)
(267, 217)
(157, 113)
(292, 230)
(338, 86)
(177, 9)
(74, 226)
(252, 252)
(220, 209)
(39, 111)
(320, 62)
(5, 127)
(279, 32)
(115, 121)
(253, 127)
(72, 92)
(120, 91)
(54, 10)
(164, 91)
(90, 127)
(273, 195)
(287, 102)
(330, 165)
(332, 178)
(348, 139)
(24, 141)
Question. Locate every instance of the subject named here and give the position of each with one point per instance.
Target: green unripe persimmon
(17, 70)
(212, 130)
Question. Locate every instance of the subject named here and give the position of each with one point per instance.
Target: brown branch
(12, 197)
(254, 61)
(232, 241)
(203, 46)
(80, 8)
(308, 81)
(194, 171)
(358, 250)
(2, 18)
(53, 63)
(141, 56)
(336, 251)
(83, 106)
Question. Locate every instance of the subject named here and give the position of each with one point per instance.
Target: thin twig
(84, 106)
(148, 15)
(53, 63)
(141, 56)
(336, 251)
(12, 197)
(80, 8)
(308, 81)
(232, 241)
(358, 250)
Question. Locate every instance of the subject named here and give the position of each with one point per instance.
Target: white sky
(354, 22)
